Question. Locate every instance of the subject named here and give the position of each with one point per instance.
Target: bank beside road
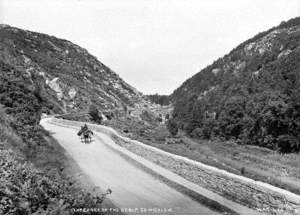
(258, 196)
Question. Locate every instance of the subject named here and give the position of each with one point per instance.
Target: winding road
(132, 188)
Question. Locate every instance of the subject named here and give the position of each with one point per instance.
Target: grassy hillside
(251, 94)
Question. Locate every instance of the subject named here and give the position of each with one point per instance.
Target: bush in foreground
(26, 190)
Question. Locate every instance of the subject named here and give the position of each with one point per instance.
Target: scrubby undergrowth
(26, 190)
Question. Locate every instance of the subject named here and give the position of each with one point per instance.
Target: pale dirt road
(131, 186)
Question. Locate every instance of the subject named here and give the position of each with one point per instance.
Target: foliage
(159, 99)
(251, 95)
(20, 100)
(149, 117)
(73, 67)
(172, 127)
(7, 134)
(25, 190)
(95, 114)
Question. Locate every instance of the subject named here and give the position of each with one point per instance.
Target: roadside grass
(251, 161)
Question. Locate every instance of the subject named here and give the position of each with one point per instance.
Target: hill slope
(251, 94)
(43, 74)
(69, 77)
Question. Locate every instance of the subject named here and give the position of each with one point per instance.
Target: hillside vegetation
(71, 78)
(159, 99)
(36, 77)
(251, 94)
(34, 185)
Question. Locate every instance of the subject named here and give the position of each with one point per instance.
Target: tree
(159, 99)
(172, 127)
(95, 114)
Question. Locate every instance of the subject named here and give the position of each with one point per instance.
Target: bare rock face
(216, 71)
(53, 84)
(284, 53)
(72, 93)
(72, 78)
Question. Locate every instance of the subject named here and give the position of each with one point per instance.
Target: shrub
(288, 143)
(95, 114)
(25, 190)
(172, 127)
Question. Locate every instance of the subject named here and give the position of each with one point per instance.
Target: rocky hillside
(67, 76)
(251, 94)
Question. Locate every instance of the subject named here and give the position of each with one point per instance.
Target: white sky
(154, 45)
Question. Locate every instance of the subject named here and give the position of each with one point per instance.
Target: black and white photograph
(149, 107)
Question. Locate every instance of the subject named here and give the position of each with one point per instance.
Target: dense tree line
(159, 99)
(255, 101)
